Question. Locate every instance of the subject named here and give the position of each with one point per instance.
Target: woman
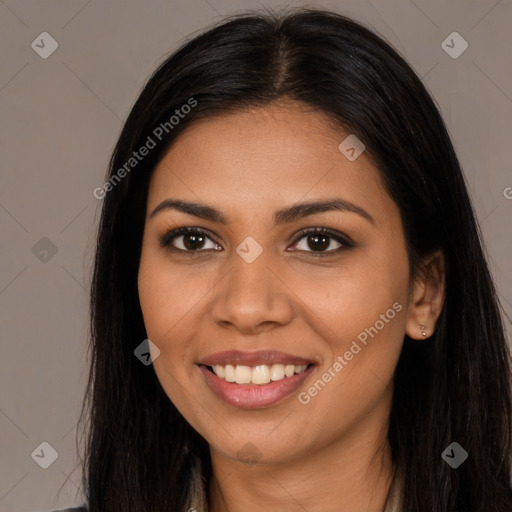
(287, 236)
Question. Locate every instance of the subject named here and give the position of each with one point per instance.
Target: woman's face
(309, 326)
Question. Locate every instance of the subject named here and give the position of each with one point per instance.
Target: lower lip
(253, 396)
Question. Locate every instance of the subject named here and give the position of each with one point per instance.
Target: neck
(352, 473)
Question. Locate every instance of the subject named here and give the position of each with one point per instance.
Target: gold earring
(423, 327)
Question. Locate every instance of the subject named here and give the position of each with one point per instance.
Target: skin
(330, 454)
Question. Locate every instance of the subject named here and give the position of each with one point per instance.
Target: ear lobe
(427, 298)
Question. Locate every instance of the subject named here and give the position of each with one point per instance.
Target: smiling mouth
(257, 375)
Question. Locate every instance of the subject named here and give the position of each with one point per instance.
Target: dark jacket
(78, 509)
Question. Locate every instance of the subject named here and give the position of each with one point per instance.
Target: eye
(320, 239)
(193, 239)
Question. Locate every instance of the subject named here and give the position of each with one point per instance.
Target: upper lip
(268, 357)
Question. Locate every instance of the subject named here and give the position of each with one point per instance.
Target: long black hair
(140, 452)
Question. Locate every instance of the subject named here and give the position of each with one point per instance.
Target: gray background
(60, 118)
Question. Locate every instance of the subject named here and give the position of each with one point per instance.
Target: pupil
(191, 240)
(320, 242)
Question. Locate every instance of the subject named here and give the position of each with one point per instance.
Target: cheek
(360, 311)
(165, 301)
(167, 296)
(364, 342)
(346, 301)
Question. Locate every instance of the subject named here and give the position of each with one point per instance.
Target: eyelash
(346, 243)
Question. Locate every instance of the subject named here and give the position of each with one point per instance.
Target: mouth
(255, 380)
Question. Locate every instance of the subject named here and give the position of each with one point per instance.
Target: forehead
(281, 153)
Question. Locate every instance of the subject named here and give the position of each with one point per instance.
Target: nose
(252, 298)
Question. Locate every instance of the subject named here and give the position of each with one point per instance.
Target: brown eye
(188, 240)
(318, 242)
(322, 241)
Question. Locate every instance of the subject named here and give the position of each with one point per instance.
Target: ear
(427, 298)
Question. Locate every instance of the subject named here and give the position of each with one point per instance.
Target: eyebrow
(282, 216)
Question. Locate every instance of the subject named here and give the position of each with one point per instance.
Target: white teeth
(289, 370)
(277, 372)
(243, 374)
(219, 370)
(229, 373)
(260, 374)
